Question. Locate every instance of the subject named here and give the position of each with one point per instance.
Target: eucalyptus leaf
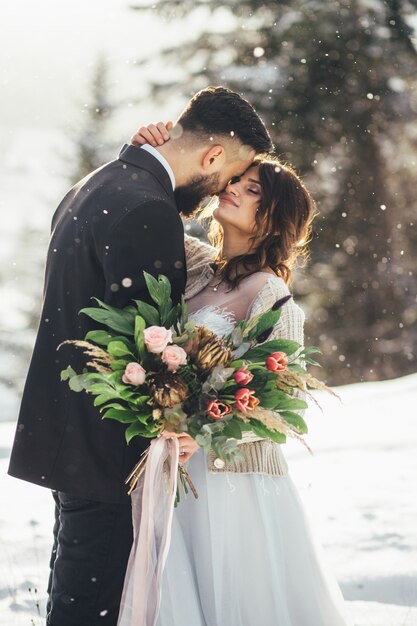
(67, 373)
(78, 383)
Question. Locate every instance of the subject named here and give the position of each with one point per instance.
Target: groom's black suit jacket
(115, 223)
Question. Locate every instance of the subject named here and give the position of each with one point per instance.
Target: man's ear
(214, 159)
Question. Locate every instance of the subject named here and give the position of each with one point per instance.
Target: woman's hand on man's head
(153, 134)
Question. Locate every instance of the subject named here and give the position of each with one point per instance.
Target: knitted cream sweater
(260, 455)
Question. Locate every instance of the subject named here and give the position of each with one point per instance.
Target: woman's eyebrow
(252, 180)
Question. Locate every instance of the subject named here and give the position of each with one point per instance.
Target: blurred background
(335, 82)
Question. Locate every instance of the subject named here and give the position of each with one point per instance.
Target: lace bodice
(218, 320)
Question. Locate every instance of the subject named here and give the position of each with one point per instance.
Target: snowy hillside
(359, 489)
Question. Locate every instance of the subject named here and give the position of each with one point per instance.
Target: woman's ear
(214, 159)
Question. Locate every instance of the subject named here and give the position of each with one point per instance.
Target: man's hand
(187, 444)
(154, 134)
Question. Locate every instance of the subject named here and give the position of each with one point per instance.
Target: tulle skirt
(242, 555)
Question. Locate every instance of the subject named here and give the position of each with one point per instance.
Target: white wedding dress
(242, 553)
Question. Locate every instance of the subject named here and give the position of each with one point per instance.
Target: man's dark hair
(220, 111)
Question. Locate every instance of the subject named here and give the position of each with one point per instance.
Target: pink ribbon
(153, 502)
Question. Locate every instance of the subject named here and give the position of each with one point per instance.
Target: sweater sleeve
(198, 255)
(291, 323)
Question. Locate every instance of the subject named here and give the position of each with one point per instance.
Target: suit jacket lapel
(143, 159)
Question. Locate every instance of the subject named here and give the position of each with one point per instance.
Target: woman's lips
(227, 200)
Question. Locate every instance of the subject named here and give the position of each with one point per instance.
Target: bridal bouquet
(152, 368)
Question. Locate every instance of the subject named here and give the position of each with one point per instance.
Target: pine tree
(93, 147)
(333, 81)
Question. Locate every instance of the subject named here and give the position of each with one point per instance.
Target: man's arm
(148, 238)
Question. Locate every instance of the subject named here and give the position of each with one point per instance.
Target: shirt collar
(162, 160)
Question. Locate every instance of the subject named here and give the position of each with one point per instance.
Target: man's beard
(190, 196)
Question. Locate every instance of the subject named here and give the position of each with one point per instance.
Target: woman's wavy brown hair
(283, 226)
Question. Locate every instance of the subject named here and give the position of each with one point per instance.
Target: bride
(242, 553)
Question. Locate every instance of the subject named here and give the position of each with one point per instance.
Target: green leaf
(118, 349)
(155, 288)
(259, 353)
(262, 431)
(124, 416)
(287, 403)
(266, 320)
(311, 362)
(149, 313)
(116, 320)
(118, 365)
(113, 405)
(295, 420)
(67, 373)
(311, 350)
(140, 402)
(294, 367)
(140, 326)
(103, 398)
(184, 310)
(133, 430)
(78, 383)
(233, 429)
(203, 440)
(268, 400)
(172, 317)
(99, 336)
(101, 387)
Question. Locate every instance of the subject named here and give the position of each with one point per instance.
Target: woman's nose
(232, 188)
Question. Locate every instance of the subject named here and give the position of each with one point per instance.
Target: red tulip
(217, 409)
(276, 362)
(242, 376)
(245, 399)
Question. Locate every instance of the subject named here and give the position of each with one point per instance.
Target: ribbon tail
(152, 514)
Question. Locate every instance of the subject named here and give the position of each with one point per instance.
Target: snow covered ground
(359, 489)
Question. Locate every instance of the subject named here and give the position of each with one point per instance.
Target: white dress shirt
(162, 160)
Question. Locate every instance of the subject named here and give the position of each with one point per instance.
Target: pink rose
(277, 362)
(173, 357)
(157, 338)
(242, 376)
(134, 374)
(245, 400)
